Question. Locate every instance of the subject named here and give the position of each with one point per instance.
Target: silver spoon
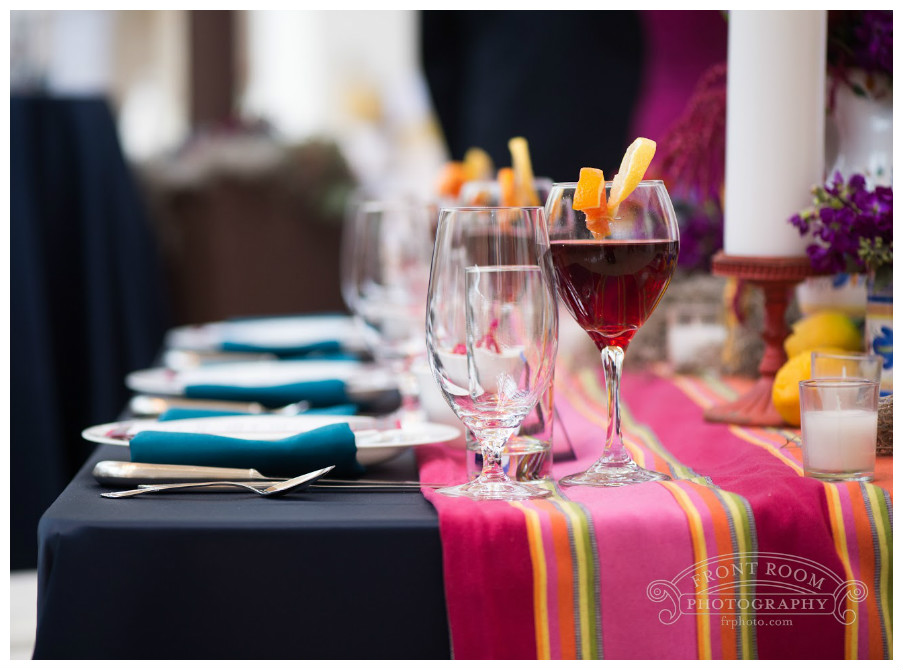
(277, 489)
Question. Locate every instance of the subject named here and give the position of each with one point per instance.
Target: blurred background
(175, 167)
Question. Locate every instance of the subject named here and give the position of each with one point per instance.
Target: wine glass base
(494, 490)
(613, 475)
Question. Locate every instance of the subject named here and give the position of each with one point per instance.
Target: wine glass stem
(612, 362)
(492, 444)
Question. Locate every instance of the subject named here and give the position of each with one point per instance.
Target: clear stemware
(611, 286)
(388, 263)
(487, 192)
(492, 331)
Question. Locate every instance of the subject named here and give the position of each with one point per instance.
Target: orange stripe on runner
(564, 579)
(724, 545)
(699, 393)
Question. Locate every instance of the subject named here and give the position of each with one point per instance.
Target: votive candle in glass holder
(861, 366)
(840, 428)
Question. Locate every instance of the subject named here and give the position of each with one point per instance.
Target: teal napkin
(177, 413)
(289, 457)
(328, 348)
(321, 393)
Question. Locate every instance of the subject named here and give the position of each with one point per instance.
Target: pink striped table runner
(739, 556)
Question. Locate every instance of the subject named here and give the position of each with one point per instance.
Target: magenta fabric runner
(739, 556)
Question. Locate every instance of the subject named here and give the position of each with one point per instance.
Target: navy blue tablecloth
(315, 575)
(87, 298)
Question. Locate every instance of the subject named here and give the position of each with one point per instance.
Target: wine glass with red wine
(611, 285)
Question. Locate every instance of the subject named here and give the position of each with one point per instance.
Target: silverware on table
(126, 473)
(148, 405)
(272, 490)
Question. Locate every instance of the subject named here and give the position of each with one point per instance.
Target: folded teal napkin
(321, 393)
(309, 350)
(289, 457)
(177, 413)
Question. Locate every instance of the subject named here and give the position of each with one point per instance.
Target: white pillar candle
(775, 127)
(839, 441)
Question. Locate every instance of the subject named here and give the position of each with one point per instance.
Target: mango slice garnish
(451, 179)
(589, 196)
(633, 167)
(523, 172)
(477, 165)
(507, 187)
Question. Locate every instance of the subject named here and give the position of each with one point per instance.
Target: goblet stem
(615, 467)
(612, 363)
(492, 444)
(493, 483)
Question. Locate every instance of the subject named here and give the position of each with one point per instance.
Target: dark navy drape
(87, 304)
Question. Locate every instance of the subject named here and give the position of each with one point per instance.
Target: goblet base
(612, 475)
(479, 489)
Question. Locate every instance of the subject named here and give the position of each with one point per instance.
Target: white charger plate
(373, 445)
(360, 378)
(266, 332)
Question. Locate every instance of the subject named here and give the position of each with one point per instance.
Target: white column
(775, 127)
(286, 73)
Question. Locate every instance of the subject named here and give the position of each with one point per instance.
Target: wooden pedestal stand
(776, 276)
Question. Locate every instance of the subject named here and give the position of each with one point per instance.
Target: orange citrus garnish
(523, 172)
(589, 197)
(590, 193)
(451, 179)
(633, 166)
(477, 165)
(507, 188)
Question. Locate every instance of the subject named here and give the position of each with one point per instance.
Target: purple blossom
(851, 226)
(874, 50)
(861, 38)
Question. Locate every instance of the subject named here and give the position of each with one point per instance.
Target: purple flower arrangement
(851, 227)
(861, 39)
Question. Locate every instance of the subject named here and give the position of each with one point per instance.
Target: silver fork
(272, 490)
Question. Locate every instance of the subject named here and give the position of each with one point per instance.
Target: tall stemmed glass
(611, 286)
(388, 265)
(492, 331)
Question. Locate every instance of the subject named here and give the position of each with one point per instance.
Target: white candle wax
(775, 128)
(687, 340)
(839, 440)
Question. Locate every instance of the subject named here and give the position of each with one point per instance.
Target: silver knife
(126, 473)
(148, 405)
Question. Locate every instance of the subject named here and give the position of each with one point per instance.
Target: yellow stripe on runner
(835, 513)
(745, 434)
(697, 535)
(540, 582)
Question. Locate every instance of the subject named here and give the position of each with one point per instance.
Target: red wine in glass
(612, 286)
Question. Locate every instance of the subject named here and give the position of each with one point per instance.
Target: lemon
(823, 329)
(785, 393)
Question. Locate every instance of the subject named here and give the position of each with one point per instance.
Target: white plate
(277, 332)
(374, 446)
(359, 377)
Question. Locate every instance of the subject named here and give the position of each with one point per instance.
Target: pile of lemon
(829, 332)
